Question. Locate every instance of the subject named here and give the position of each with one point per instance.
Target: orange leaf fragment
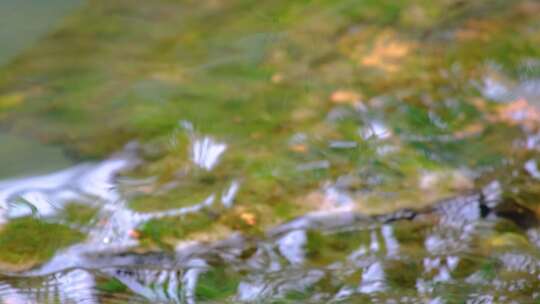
(519, 112)
(249, 218)
(470, 130)
(345, 97)
(387, 53)
(133, 233)
(299, 148)
(277, 78)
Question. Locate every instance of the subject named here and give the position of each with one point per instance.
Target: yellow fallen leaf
(518, 112)
(479, 103)
(299, 148)
(277, 78)
(476, 29)
(249, 218)
(256, 135)
(345, 97)
(508, 239)
(470, 130)
(529, 8)
(134, 234)
(11, 100)
(387, 53)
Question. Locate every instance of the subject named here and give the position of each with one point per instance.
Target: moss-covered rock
(27, 242)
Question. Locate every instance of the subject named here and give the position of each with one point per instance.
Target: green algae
(27, 242)
(111, 286)
(216, 284)
(77, 213)
(323, 249)
(181, 196)
(403, 274)
(165, 232)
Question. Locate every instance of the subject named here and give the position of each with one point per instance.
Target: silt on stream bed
(236, 151)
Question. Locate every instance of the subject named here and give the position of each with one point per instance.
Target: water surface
(20, 156)
(23, 22)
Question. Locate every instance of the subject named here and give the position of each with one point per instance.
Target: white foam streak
(532, 168)
(206, 152)
(227, 198)
(372, 279)
(48, 193)
(392, 245)
(291, 246)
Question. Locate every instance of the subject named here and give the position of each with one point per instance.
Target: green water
(231, 123)
(23, 22)
(20, 156)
